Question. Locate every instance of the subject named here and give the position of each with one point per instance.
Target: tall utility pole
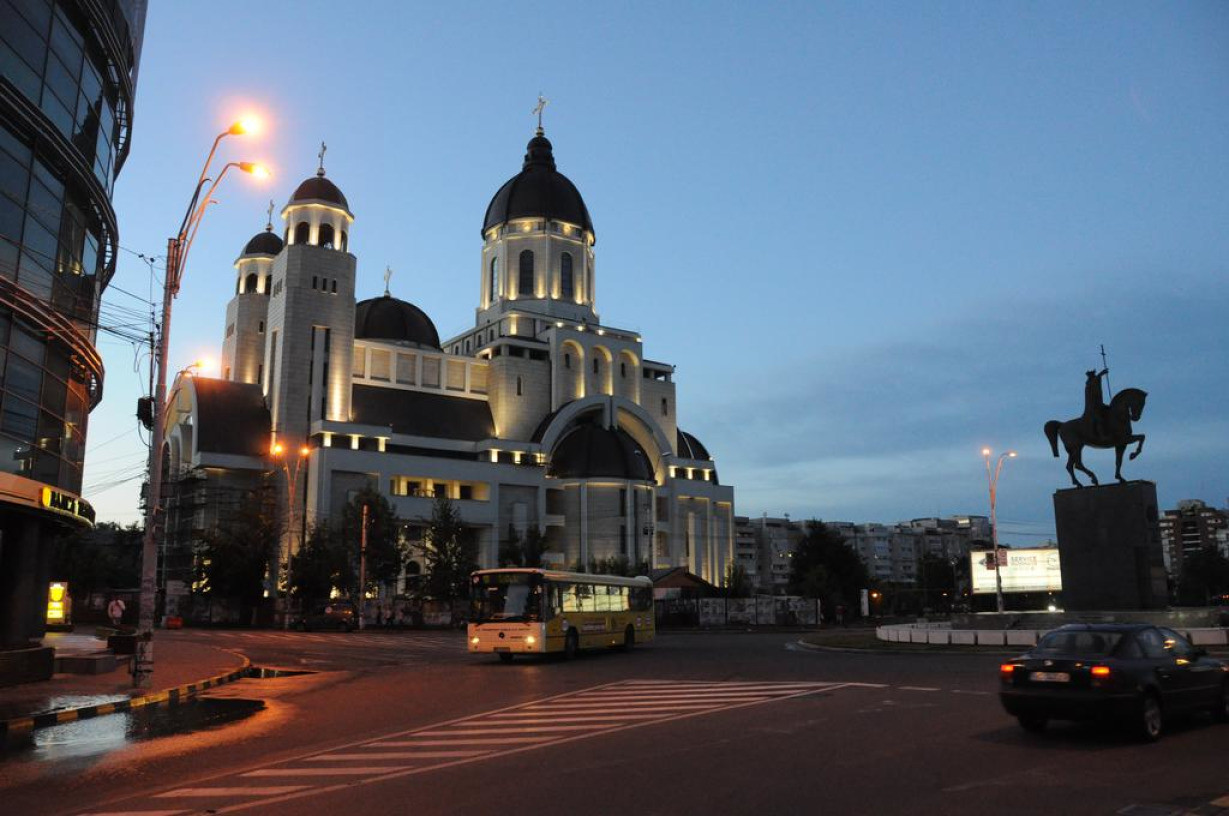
(362, 568)
(993, 478)
(176, 253)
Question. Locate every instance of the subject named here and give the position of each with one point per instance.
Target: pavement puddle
(100, 735)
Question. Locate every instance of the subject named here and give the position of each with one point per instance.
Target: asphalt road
(693, 723)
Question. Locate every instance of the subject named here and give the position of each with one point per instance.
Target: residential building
(1189, 528)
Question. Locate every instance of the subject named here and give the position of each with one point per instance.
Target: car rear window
(1079, 643)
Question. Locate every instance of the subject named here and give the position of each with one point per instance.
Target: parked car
(1134, 674)
(329, 615)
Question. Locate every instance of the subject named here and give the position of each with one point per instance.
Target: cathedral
(541, 416)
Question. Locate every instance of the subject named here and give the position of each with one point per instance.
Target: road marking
(273, 790)
(538, 730)
(977, 693)
(135, 813)
(420, 743)
(350, 771)
(918, 688)
(558, 720)
(397, 755)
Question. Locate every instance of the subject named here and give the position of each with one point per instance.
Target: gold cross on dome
(538, 108)
(323, 149)
(269, 223)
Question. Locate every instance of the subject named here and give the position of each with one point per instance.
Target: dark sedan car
(336, 614)
(1132, 673)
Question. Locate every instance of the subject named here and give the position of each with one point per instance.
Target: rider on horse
(1094, 404)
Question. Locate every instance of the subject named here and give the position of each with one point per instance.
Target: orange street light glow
(246, 125)
(257, 169)
(305, 451)
(277, 449)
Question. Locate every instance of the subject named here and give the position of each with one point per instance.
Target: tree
(737, 582)
(517, 552)
(510, 554)
(448, 551)
(824, 566)
(323, 564)
(386, 553)
(618, 565)
(232, 559)
(106, 557)
(1205, 574)
(937, 578)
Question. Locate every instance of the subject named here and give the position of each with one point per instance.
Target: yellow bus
(534, 611)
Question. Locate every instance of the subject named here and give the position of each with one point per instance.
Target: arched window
(525, 284)
(345, 241)
(302, 233)
(268, 284)
(567, 286)
(249, 283)
(324, 237)
(494, 277)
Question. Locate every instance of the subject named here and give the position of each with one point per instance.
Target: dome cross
(537, 111)
(323, 149)
(388, 273)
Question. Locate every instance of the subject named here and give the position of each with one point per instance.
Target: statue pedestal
(1110, 547)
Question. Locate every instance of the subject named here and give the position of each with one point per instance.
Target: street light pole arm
(201, 183)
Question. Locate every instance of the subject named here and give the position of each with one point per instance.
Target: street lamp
(292, 481)
(176, 255)
(993, 477)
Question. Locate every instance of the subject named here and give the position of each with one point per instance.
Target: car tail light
(1006, 670)
(1100, 672)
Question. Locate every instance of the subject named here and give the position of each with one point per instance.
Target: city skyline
(875, 243)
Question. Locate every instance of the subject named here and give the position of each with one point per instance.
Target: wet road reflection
(93, 737)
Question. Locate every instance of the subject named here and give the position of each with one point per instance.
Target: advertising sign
(59, 605)
(1028, 570)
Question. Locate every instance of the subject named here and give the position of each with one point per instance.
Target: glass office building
(67, 74)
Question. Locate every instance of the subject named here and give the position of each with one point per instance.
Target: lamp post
(292, 483)
(993, 476)
(176, 255)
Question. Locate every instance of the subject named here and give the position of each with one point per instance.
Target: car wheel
(1221, 712)
(505, 657)
(1033, 723)
(571, 645)
(1151, 717)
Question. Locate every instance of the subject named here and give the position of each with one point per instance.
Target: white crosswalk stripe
(530, 726)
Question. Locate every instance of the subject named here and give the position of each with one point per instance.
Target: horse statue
(1101, 426)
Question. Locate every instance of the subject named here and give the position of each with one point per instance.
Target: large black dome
(590, 450)
(393, 320)
(538, 191)
(266, 242)
(318, 188)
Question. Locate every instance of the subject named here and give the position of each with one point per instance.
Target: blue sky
(874, 238)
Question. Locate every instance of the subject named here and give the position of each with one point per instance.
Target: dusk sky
(873, 238)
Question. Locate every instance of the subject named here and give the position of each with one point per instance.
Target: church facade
(541, 416)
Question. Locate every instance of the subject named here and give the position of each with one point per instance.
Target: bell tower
(243, 347)
(311, 311)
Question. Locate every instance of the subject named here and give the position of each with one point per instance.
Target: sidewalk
(180, 670)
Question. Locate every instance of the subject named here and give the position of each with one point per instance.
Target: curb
(172, 695)
(854, 650)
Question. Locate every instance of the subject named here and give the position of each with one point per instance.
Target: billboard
(1027, 570)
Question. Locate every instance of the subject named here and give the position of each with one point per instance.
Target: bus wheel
(505, 657)
(629, 637)
(571, 645)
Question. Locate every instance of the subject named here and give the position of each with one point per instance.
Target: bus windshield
(505, 596)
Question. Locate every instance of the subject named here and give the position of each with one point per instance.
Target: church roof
(231, 417)
(265, 242)
(589, 450)
(319, 188)
(538, 191)
(387, 318)
(688, 447)
(417, 413)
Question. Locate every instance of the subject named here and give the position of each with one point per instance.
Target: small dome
(590, 451)
(688, 447)
(538, 191)
(266, 242)
(319, 188)
(392, 320)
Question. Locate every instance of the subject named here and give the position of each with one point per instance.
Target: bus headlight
(530, 639)
(474, 640)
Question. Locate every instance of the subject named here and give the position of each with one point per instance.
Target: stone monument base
(1109, 544)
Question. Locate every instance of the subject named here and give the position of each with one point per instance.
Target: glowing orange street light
(292, 482)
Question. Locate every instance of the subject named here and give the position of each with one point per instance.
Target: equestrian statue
(1101, 426)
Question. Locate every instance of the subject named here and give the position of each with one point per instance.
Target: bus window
(571, 599)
